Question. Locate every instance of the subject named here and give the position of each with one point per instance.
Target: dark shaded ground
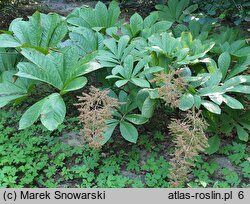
(62, 7)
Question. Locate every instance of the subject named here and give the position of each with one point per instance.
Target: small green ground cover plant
(37, 158)
(196, 73)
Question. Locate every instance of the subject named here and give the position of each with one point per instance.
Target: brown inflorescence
(171, 86)
(189, 139)
(95, 109)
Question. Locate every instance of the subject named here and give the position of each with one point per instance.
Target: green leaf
(86, 39)
(109, 131)
(122, 44)
(8, 41)
(161, 26)
(141, 97)
(214, 79)
(148, 107)
(217, 98)
(197, 101)
(214, 144)
(239, 89)
(239, 67)
(136, 119)
(140, 82)
(31, 115)
(58, 69)
(136, 24)
(113, 13)
(41, 32)
(100, 18)
(186, 39)
(41, 68)
(150, 20)
(212, 107)
(86, 67)
(246, 125)
(128, 66)
(232, 103)
(242, 134)
(10, 91)
(124, 99)
(151, 70)
(186, 102)
(121, 83)
(153, 94)
(111, 45)
(164, 13)
(8, 60)
(224, 63)
(237, 80)
(191, 9)
(211, 90)
(211, 66)
(4, 100)
(51, 110)
(128, 132)
(242, 52)
(181, 5)
(75, 84)
(140, 65)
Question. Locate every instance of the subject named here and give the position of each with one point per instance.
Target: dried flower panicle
(189, 139)
(170, 87)
(95, 109)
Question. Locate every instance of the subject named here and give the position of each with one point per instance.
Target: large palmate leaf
(116, 51)
(220, 83)
(197, 48)
(86, 40)
(64, 70)
(182, 50)
(198, 30)
(51, 111)
(237, 48)
(41, 32)
(224, 64)
(145, 28)
(211, 86)
(133, 72)
(125, 118)
(99, 18)
(176, 10)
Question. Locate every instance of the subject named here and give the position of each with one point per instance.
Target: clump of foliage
(238, 10)
(36, 158)
(176, 10)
